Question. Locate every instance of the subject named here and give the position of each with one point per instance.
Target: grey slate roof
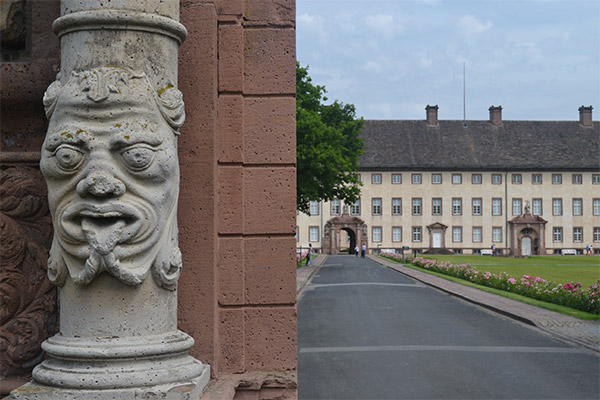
(516, 145)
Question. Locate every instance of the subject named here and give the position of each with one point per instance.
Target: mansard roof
(449, 145)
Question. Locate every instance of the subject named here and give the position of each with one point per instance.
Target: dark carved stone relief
(27, 299)
(13, 29)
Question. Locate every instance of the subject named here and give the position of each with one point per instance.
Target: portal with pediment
(355, 231)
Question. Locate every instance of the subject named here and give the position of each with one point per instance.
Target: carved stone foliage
(28, 300)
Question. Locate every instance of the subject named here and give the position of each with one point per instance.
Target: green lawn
(561, 269)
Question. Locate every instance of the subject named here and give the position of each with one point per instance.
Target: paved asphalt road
(367, 332)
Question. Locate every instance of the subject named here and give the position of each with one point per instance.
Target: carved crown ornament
(111, 167)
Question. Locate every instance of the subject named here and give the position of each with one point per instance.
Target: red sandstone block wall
(237, 294)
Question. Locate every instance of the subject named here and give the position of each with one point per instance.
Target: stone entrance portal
(527, 234)
(354, 227)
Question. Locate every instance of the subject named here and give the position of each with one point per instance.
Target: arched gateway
(353, 226)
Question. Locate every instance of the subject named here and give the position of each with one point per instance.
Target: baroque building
(463, 187)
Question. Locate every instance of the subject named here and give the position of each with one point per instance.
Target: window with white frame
(476, 179)
(396, 206)
(436, 206)
(496, 179)
(557, 234)
(477, 206)
(496, 206)
(416, 234)
(477, 234)
(417, 206)
(376, 179)
(537, 207)
(436, 179)
(556, 179)
(496, 234)
(416, 179)
(596, 179)
(457, 234)
(577, 207)
(516, 207)
(577, 179)
(456, 206)
(377, 234)
(536, 179)
(396, 234)
(355, 208)
(314, 208)
(556, 206)
(335, 207)
(456, 179)
(596, 234)
(578, 234)
(313, 233)
(596, 207)
(517, 179)
(396, 179)
(376, 206)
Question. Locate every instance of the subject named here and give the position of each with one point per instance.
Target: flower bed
(570, 294)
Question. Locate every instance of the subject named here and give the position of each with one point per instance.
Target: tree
(328, 145)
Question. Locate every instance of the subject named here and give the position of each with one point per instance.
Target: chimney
(432, 115)
(585, 116)
(496, 115)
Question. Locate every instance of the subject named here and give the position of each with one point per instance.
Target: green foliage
(327, 145)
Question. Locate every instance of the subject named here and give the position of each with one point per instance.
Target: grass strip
(527, 300)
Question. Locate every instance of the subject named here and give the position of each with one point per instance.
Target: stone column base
(189, 390)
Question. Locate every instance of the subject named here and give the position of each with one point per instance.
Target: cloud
(470, 26)
(384, 24)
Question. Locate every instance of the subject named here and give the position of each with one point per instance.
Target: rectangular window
(355, 208)
(496, 206)
(396, 206)
(596, 207)
(516, 207)
(376, 179)
(496, 234)
(314, 208)
(477, 234)
(556, 206)
(496, 179)
(376, 206)
(377, 234)
(313, 233)
(417, 206)
(436, 206)
(456, 179)
(416, 179)
(297, 233)
(456, 206)
(517, 179)
(477, 206)
(335, 207)
(416, 234)
(596, 179)
(396, 234)
(577, 207)
(557, 234)
(556, 179)
(596, 234)
(476, 179)
(537, 206)
(536, 179)
(578, 234)
(396, 179)
(457, 234)
(577, 179)
(436, 179)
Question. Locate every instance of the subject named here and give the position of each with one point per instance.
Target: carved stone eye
(68, 157)
(138, 157)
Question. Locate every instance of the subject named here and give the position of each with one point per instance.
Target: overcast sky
(538, 59)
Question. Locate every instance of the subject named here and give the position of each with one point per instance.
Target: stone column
(111, 167)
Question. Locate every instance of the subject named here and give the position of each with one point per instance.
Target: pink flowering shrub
(571, 294)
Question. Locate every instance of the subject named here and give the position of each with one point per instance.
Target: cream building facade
(519, 187)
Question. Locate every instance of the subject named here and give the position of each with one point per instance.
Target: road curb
(317, 263)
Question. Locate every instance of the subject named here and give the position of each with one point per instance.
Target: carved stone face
(110, 163)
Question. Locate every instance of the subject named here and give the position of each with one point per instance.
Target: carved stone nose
(100, 185)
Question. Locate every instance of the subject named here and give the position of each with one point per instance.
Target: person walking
(309, 255)
(356, 251)
(364, 251)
